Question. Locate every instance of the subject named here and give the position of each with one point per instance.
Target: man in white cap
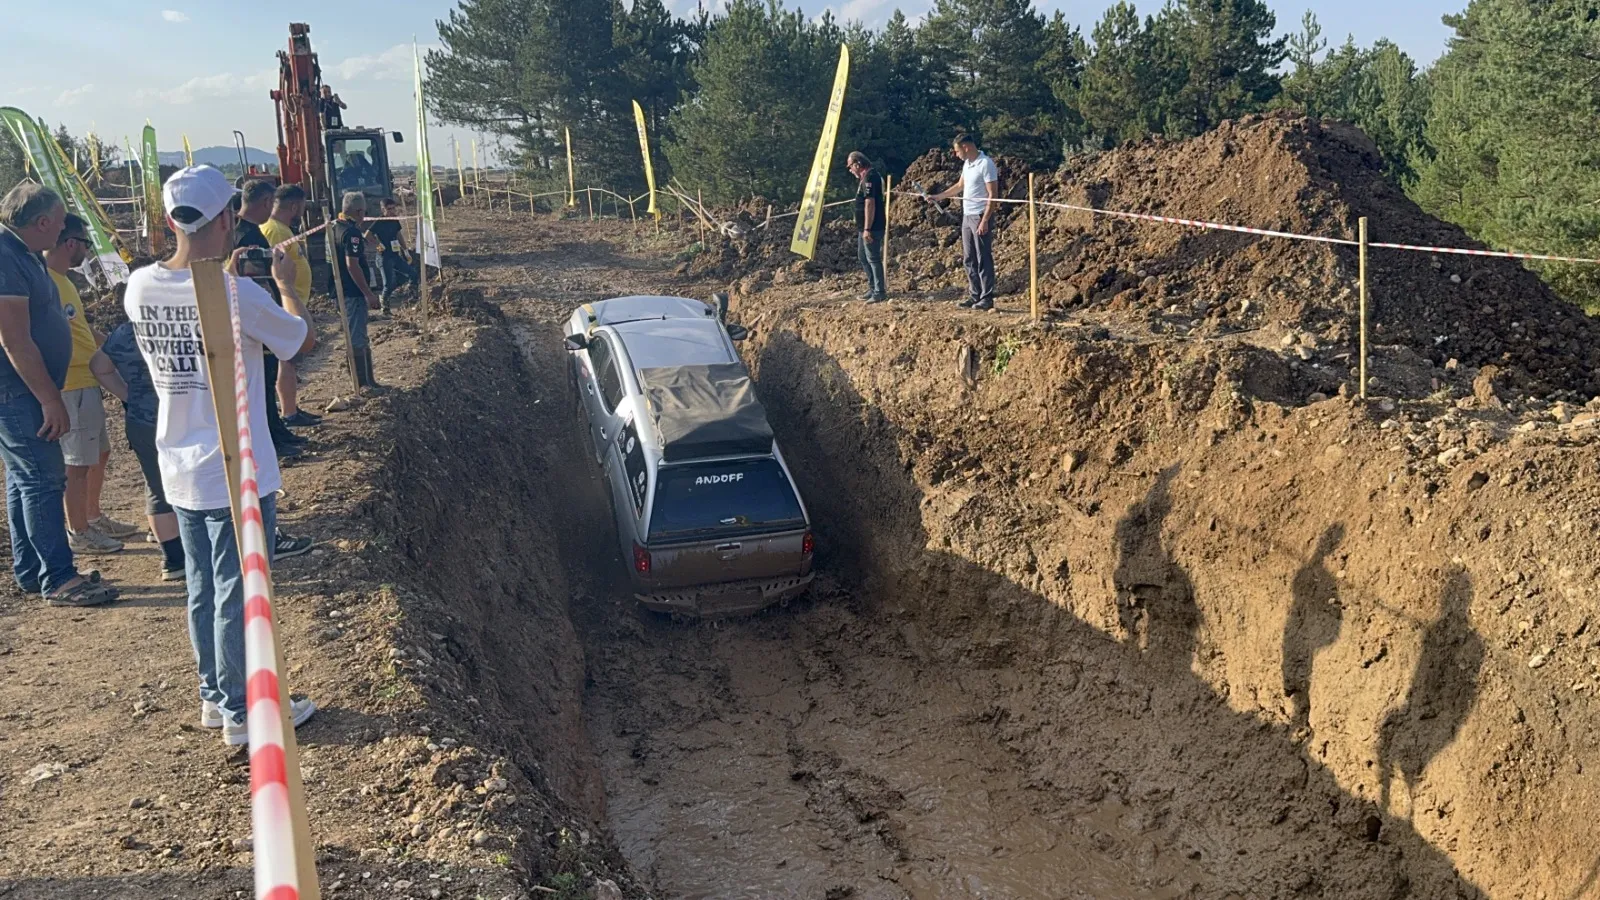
(160, 302)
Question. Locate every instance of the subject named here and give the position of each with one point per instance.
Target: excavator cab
(358, 160)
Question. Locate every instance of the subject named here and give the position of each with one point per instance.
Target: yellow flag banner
(188, 152)
(644, 147)
(809, 224)
(572, 181)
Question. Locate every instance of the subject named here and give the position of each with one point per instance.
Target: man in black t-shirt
(255, 205)
(870, 221)
(393, 262)
(355, 274)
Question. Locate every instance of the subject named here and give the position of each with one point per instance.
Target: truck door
(602, 394)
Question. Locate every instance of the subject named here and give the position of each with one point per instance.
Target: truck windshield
(722, 499)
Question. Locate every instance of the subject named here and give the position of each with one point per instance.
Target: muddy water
(802, 754)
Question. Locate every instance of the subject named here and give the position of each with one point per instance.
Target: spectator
(350, 249)
(255, 206)
(871, 223)
(288, 205)
(979, 185)
(358, 172)
(121, 370)
(161, 304)
(394, 264)
(86, 448)
(37, 340)
(330, 107)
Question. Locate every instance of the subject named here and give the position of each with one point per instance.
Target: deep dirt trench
(1185, 659)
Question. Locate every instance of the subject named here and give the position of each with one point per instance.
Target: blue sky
(205, 69)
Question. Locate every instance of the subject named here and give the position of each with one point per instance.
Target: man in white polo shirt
(160, 303)
(979, 185)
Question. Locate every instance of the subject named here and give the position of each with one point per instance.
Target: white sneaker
(300, 711)
(210, 715)
(92, 542)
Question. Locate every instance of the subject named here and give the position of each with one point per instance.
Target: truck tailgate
(734, 559)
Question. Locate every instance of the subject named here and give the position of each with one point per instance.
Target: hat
(199, 187)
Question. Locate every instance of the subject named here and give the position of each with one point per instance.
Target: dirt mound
(1279, 173)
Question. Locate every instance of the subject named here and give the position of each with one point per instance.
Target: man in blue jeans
(37, 340)
(355, 273)
(160, 302)
(870, 222)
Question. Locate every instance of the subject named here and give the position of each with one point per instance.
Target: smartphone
(255, 263)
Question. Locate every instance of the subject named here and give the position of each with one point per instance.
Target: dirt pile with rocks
(1278, 173)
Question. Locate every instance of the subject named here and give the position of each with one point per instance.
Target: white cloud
(71, 98)
(393, 64)
(869, 11)
(211, 87)
(173, 16)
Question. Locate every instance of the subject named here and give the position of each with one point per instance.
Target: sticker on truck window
(725, 478)
(633, 464)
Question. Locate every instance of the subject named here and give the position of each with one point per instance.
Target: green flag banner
(150, 163)
(427, 235)
(810, 221)
(49, 163)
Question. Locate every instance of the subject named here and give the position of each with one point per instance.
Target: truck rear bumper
(733, 598)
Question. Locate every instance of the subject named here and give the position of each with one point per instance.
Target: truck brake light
(641, 560)
(808, 544)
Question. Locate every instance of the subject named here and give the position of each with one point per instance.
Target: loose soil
(1103, 612)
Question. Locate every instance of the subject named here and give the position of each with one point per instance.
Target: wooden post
(216, 331)
(700, 194)
(888, 197)
(339, 301)
(588, 199)
(1033, 251)
(1362, 226)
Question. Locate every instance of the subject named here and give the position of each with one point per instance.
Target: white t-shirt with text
(976, 176)
(160, 303)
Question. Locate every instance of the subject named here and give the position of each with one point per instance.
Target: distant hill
(220, 156)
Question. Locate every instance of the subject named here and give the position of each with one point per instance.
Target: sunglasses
(82, 240)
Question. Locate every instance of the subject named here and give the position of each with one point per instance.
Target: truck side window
(599, 359)
(610, 379)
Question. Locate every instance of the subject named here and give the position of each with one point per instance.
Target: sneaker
(983, 304)
(868, 296)
(968, 303)
(210, 715)
(88, 592)
(178, 574)
(92, 542)
(303, 419)
(287, 438)
(877, 298)
(301, 709)
(292, 451)
(286, 546)
(112, 528)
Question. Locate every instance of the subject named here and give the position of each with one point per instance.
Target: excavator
(317, 151)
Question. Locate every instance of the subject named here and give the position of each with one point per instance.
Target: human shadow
(1155, 597)
(1315, 618)
(1127, 721)
(1443, 689)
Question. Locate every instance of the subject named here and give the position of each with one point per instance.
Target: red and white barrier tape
(270, 818)
(1264, 232)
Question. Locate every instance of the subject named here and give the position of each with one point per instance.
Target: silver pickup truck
(708, 518)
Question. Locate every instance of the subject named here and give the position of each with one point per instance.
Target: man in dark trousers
(255, 207)
(394, 264)
(871, 223)
(978, 187)
(355, 273)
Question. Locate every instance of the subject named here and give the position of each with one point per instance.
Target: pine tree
(1514, 109)
(1061, 66)
(1118, 90)
(764, 79)
(1303, 86)
(992, 52)
(1229, 56)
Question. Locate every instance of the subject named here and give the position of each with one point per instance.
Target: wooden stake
(888, 195)
(340, 300)
(1362, 227)
(216, 330)
(588, 198)
(1033, 250)
(701, 214)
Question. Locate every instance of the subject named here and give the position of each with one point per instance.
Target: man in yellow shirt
(288, 205)
(86, 447)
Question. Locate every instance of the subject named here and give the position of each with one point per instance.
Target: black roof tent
(703, 411)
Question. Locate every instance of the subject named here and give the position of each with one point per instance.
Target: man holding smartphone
(255, 207)
(161, 303)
